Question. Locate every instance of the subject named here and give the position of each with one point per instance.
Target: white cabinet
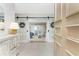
(4, 50)
(13, 47)
(8, 46)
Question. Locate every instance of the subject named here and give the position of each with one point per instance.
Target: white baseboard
(49, 41)
(24, 41)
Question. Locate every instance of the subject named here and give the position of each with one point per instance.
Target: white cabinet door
(13, 46)
(8, 47)
(4, 51)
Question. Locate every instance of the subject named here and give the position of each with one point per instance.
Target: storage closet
(66, 29)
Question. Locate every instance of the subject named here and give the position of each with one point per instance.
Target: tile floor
(36, 49)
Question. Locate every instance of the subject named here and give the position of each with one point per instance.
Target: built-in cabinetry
(67, 29)
(8, 45)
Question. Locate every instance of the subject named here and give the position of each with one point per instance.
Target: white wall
(50, 34)
(1, 14)
(9, 15)
(35, 8)
(26, 37)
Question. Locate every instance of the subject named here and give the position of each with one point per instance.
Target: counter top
(5, 38)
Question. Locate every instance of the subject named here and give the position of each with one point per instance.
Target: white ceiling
(43, 9)
(34, 8)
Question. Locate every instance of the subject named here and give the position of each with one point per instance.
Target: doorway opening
(38, 32)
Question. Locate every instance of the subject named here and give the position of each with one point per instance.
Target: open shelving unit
(67, 29)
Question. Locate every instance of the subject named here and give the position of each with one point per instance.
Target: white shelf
(57, 27)
(58, 35)
(68, 52)
(73, 47)
(59, 20)
(71, 15)
(74, 25)
(73, 39)
(59, 44)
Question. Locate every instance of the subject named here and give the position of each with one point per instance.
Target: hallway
(27, 29)
(36, 49)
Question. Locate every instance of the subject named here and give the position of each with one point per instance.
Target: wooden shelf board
(58, 27)
(75, 13)
(74, 25)
(73, 39)
(68, 52)
(59, 20)
(58, 34)
(59, 44)
(74, 52)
